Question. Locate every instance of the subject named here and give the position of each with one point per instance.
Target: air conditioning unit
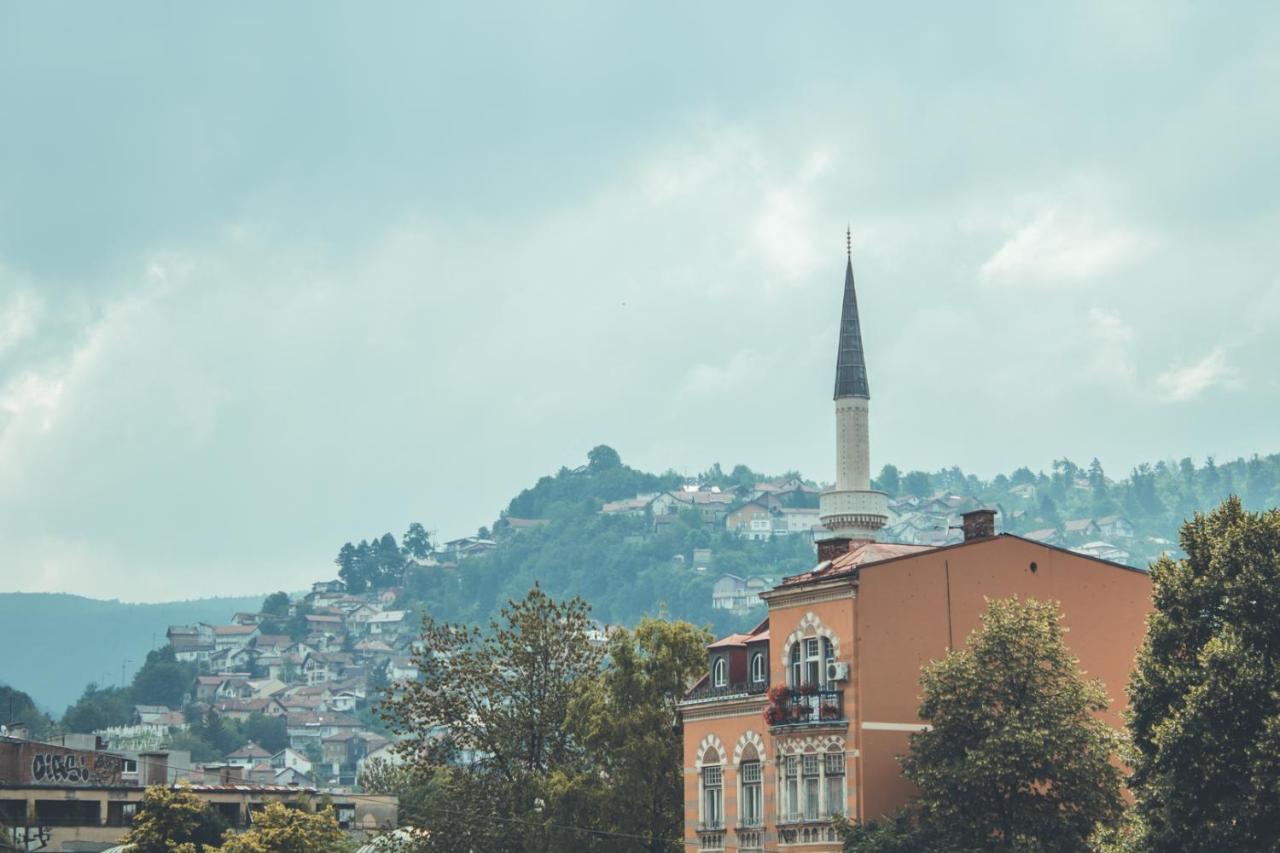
(837, 670)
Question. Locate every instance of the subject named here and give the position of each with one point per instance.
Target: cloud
(1180, 384)
(733, 376)
(1113, 347)
(1054, 248)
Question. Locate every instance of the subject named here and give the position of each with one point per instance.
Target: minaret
(851, 510)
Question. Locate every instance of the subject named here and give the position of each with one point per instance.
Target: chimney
(832, 547)
(978, 524)
(153, 768)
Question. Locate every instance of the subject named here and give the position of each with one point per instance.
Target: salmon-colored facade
(845, 644)
(804, 717)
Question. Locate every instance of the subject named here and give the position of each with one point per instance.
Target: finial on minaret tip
(848, 242)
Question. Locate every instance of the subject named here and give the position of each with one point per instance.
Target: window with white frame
(712, 796)
(833, 773)
(791, 788)
(750, 811)
(812, 661)
(757, 668)
(796, 666)
(812, 786)
(719, 673)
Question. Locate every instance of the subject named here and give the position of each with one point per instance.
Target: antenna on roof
(848, 242)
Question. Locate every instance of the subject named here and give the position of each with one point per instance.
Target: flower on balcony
(779, 694)
(828, 711)
(808, 689)
(775, 715)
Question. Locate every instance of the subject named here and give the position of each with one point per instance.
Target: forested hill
(629, 566)
(55, 644)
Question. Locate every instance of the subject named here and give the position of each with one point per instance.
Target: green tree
(499, 699)
(627, 722)
(889, 481)
(162, 679)
(281, 829)
(1205, 694)
(18, 707)
(276, 604)
(350, 568)
(1015, 758)
(415, 542)
(602, 457)
(270, 733)
(917, 483)
(173, 821)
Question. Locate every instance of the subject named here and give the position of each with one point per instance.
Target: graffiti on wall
(76, 768)
(30, 838)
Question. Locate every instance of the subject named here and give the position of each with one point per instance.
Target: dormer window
(719, 673)
(757, 668)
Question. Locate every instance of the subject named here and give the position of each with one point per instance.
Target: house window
(712, 797)
(791, 790)
(833, 773)
(757, 668)
(812, 661)
(812, 786)
(719, 673)
(796, 667)
(749, 810)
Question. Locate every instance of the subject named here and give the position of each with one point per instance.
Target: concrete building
(803, 717)
(53, 798)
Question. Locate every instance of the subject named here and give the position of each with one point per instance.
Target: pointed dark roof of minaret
(851, 364)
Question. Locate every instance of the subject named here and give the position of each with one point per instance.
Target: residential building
(803, 718)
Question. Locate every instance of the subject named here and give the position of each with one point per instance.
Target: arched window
(719, 673)
(750, 802)
(712, 792)
(757, 668)
(796, 668)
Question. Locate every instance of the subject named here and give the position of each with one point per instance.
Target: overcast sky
(272, 278)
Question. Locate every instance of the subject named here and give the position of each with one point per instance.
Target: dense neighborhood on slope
(290, 690)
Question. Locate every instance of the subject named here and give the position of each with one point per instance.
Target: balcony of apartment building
(805, 707)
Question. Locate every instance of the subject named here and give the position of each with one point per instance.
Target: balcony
(805, 707)
(706, 692)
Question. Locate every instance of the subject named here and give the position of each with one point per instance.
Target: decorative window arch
(801, 660)
(809, 627)
(710, 764)
(710, 742)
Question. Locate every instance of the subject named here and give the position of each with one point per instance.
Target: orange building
(804, 717)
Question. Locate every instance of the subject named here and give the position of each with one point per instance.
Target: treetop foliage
(1015, 758)
(1205, 696)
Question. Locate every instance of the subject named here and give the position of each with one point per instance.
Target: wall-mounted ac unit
(837, 670)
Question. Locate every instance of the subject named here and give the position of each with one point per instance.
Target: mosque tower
(850, 509)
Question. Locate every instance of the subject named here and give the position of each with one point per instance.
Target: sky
(274, 278)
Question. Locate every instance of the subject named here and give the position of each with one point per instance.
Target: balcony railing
(714, 825)
(805, 707)
(733, 688)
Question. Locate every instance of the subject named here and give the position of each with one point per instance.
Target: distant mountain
(53, 644)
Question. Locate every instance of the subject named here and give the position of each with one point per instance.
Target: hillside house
(1115, 527)
(635, 507)
(248, 755)
(233, 636)
(752, 520)
(1080, 527)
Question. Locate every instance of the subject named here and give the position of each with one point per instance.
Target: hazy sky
(272, 278)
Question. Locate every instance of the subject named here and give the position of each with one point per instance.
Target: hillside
(56, 643)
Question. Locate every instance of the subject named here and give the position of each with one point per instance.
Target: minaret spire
(851, 364)
(851, 510)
